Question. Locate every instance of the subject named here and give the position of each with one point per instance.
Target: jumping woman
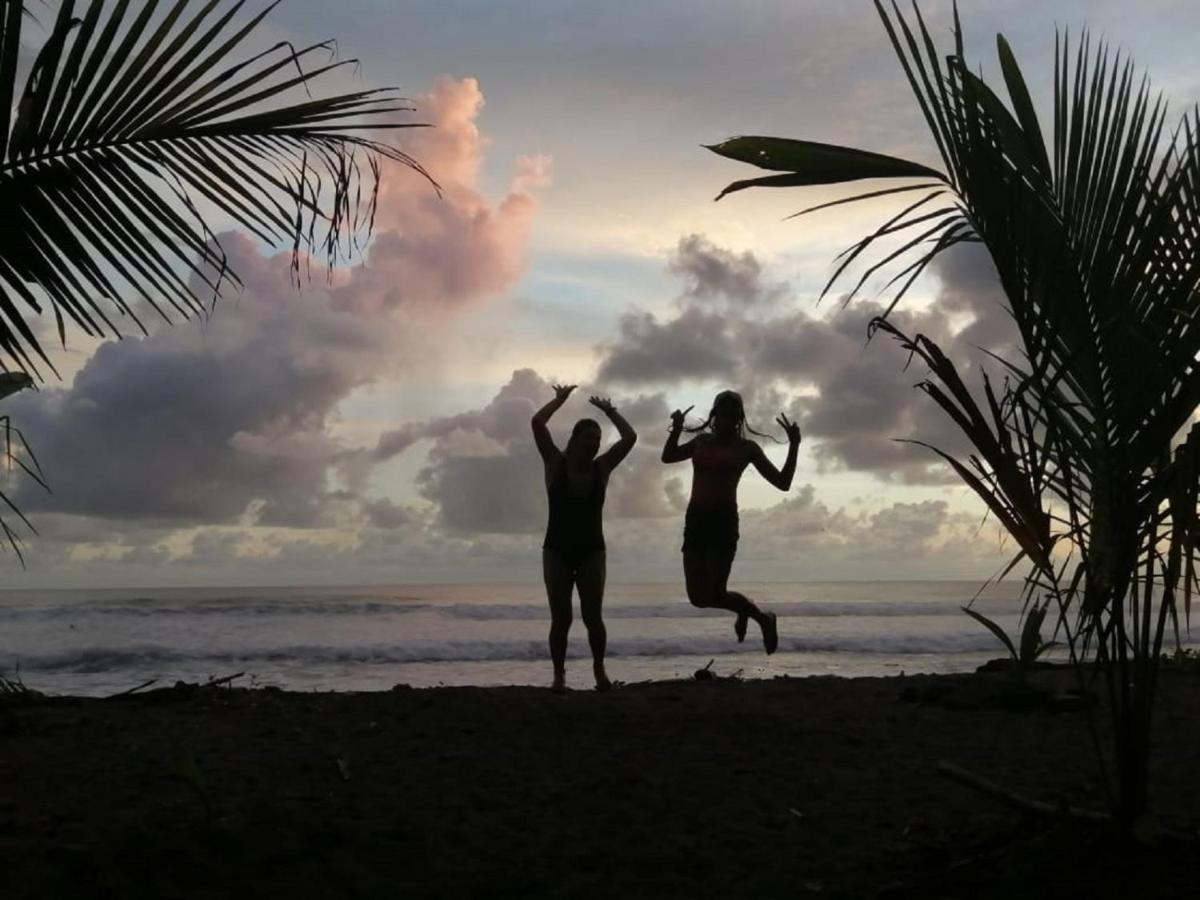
(720, 452)
(573, 553)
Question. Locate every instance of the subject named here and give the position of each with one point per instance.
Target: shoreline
(818, 786)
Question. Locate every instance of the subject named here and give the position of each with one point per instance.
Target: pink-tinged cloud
(202, 422)
(442, 253)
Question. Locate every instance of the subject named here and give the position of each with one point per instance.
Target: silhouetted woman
(573, 553)
(720, 452)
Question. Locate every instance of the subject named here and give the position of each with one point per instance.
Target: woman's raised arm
(612, 457)
(541, 434)
(780, 478)
(672, 450)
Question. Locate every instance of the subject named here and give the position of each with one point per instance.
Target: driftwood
(215, 682)
(180, 690)
(1153, 833)
(1027, 804)
(132, 690)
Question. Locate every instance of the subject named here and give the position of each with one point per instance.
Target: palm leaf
(1094, 240)
(132, 114)
(994, 629)
(809, 163)
(16, 452)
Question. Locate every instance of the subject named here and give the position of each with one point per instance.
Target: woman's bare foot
(602, 681)
(770, 633)
(739, 626)
(560, 682)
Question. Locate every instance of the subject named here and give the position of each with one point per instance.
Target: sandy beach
(821, 787)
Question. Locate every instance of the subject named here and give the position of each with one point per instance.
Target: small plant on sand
(1022, 656)
(1086, 454)
(183, 765)
(1183, 659)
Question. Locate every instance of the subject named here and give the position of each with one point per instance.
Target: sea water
(97, 642)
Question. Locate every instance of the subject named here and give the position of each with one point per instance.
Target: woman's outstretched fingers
(678, 417)
(790, 428)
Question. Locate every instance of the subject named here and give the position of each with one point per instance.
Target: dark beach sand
(814, 787)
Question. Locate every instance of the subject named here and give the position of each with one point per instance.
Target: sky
(373, 427)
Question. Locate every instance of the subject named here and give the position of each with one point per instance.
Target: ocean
(97, 642)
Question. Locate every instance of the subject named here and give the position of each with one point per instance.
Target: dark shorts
(574, 557)
(710, 531)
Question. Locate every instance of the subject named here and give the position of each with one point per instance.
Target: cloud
(852, 398)
(483, 475)
(206, 423)
(712, 273)
(439, 253)
(696, 344)
(383, 513)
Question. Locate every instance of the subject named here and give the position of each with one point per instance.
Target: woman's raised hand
(677, 417)
(562, 391)
(603, 404)
(790, 428)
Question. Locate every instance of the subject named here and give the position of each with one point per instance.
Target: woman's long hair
(732, 398)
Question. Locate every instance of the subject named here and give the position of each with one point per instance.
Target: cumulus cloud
(227, 425)
(203, 423)
(712, 273)
(696, 344)
(852, 398)
(887, 542)
(483, 475)
(383, 513)
(435, 253)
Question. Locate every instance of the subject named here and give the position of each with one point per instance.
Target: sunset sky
(375, 428)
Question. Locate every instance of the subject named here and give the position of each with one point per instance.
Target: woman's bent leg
(560, 581)
(707, 574)
(590, 580)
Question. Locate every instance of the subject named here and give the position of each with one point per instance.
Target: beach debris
(132, 690)
(795, 812)
(180, 690)
(217, 682)
(1026, 804)
(705, 674)
(343, 768)
(15, 687)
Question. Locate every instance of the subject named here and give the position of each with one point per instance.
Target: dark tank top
(575, 529)
(716, 470)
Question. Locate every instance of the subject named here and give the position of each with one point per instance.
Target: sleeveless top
(716, 470)
(575, 529)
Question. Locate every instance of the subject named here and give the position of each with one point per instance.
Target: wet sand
(810, 787)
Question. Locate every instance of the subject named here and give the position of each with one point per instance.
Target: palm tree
(1081, 453)
(131, 118)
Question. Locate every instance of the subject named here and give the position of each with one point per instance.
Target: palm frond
(132, 116)
(1081, 457)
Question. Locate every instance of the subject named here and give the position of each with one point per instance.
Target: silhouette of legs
(560, 581)
(589, 578)
(707, 575)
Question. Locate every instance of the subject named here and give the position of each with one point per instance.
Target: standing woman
(573, 552)
(720, 452)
